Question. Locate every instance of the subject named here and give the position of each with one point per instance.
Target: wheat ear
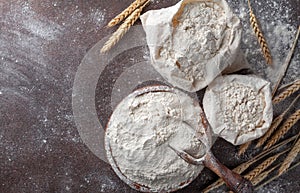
(275, 123)
(288, 92)
(133, 6)
(275, 177)
(242, 167)
(261, 40)
(283, 87)
(115, 38)
(261, 167)
(286, 62)
(244, 147)
(290, 158)
(289, 123)
(263, 176)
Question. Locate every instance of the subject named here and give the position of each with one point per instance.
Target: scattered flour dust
(279, 28)
(275, 18)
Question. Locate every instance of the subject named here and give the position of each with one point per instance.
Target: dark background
(41, 45)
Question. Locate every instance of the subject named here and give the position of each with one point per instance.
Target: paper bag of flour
(193, 41)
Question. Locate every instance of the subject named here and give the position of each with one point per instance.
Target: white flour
(201, 30)
(192, 42)
(241, 113)
(140, 131)
(206, 22)
(239, 107)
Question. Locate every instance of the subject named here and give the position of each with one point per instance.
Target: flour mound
(239, 107)
(192, 42)
(140, 131)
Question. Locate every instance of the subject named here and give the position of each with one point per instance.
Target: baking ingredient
(288, 92)
(193, 41)
(260, 37)
(290, 158)
(140, 131)
(286, 126)
(239, 107)
(131, 8)
(122, 30)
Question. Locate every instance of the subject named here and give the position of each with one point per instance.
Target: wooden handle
(234, 181)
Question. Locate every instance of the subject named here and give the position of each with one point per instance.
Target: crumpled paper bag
(213, 105)
(172, 53)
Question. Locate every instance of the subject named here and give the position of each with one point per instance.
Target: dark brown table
(42, 44)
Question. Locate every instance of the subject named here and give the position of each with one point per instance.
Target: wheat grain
(131, 8)
(275, 177)
(263, 176)
(289, 123)
(115, 38)
(243, 148)
(276, 122)
(239, 169)
(288, 92)
(261, 40)
(290, 158)
(242, 167)
(283, 87)
(261, 167)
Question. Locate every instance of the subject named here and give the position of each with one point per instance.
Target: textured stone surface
(42, 44)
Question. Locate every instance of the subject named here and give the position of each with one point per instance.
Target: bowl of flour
(140, 132)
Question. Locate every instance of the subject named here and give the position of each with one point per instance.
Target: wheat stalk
(290, 158)
(242, 167)
(263, 176)
(261, 40)
(133, 6)
(261, 167)
(289, 123)
(287, 62)
(244, 147)
(275, 123)
(115, 38)
(239, 169)
(283, 87)
(288, 92)
(275, 177)
(213, 186)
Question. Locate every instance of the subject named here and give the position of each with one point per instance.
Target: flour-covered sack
(193, 41)
(239, 107)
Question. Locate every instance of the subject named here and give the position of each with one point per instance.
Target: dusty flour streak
(42, 30)
(98, 16)
(275, 20)
(23, 40)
